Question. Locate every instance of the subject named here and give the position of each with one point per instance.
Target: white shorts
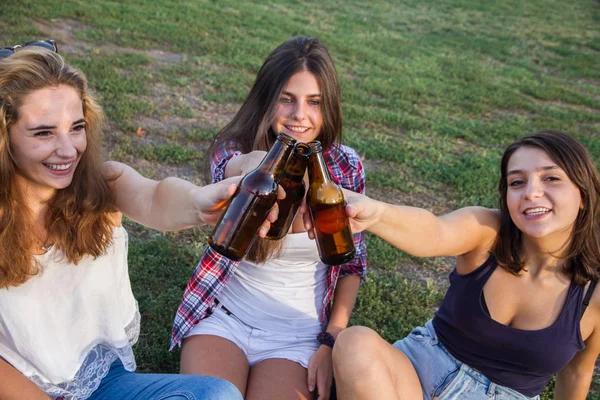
(257, 345)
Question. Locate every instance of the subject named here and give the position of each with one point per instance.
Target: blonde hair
(77, 218)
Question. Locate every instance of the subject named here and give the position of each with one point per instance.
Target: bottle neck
(296, 165)
(317, 169)
(275, 160)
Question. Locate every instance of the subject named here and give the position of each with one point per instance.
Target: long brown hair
(583, 251)
(250, 129)
(77, 218)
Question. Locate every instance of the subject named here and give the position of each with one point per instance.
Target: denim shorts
(445, 377)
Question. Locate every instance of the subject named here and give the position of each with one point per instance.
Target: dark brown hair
(583, 251)
(250, 129)
(76, 220)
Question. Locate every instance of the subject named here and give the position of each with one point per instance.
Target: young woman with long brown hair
(266, 324)
(516, 312)
(68, 318)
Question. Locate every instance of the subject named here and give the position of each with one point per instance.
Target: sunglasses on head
(47, 44)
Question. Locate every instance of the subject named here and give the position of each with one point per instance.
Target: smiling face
(543, 202)
(48, 139)
(298, 111)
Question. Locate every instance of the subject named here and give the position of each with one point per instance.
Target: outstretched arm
(169, 204)
(418, 231)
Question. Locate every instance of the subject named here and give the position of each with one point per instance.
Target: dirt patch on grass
(370, 126)
(591, 82)
(182, 116)
(512, 113)
(189, 99)
(64, 31)
(568, 106)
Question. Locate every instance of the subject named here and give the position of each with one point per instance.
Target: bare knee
(365, 364)
(355, 347)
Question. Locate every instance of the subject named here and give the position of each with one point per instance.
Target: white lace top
(64, 327)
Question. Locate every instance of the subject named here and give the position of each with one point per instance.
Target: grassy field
(432, 93)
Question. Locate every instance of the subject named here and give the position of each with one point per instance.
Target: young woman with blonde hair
(68, 318)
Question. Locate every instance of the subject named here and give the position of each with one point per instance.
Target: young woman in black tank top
(514, 314)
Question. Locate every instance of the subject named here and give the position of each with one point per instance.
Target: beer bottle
(250, 205)
(327, 209)
(292, 181)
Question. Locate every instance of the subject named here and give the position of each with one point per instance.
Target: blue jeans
(121, 384)
(444, 376)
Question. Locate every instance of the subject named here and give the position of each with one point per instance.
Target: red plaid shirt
(214, 270)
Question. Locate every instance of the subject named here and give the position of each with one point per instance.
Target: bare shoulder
(487, 221)
(590, 322)
(489, 217)
(113, 169)
(594, 301)
(121, 176)
(480, 224)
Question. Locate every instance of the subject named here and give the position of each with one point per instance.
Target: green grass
(432, 93)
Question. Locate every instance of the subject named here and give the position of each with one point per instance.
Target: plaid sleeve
(347, 170)
(220, 158)
(211, 275)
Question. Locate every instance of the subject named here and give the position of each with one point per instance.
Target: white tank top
(64, 327)
(282, 295)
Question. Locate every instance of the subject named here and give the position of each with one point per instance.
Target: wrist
(198, 214)
(379, 211)
(326, 339)
(325, 349)
(377, 221)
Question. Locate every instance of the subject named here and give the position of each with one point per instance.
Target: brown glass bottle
(249, 207)
(292, 181)
(327, 209)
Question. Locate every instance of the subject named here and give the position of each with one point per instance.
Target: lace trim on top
(95, 367)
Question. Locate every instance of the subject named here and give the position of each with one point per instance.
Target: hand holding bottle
(252, 203)
(211, 201)
(326, 205)
(362, 212)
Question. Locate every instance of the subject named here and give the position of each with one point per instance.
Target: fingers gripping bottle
(292, 181)
(250, 205)
(327, 209)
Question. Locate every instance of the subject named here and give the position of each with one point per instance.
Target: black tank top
(522, 360)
